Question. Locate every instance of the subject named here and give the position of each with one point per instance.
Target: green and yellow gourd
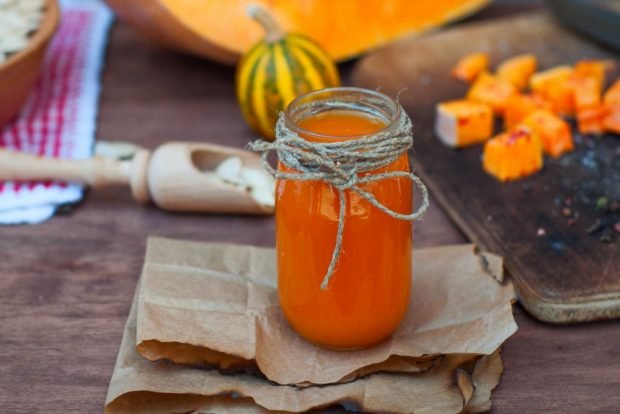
(277, 70)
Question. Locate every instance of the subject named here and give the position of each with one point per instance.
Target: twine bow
(339, 164)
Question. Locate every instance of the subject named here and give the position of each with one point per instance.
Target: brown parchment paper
(140, 386)
(217, 304)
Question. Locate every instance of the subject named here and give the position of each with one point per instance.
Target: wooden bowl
(19, 73)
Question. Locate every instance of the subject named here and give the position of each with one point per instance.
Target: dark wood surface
(66, 285)
(566, 274)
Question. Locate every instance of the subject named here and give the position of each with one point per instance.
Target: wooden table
(66, 285)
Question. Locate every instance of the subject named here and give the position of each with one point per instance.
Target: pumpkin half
(222, 31)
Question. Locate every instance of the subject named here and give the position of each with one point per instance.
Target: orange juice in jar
(369, 290)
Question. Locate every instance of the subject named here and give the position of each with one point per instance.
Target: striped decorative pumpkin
(277, 70)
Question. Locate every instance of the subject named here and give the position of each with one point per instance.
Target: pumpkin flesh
(520, 106)
(344, 28)
(470, 66)
(556, 85)
(517, 70)
(588, 106)
(491, 90)
(611, 104)
(463, 123)
(513, 155)
(554, 132)
(596, 69)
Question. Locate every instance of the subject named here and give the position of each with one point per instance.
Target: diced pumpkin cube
(587, 93)
(556, 85)
(588, 107)
(553, 131)
(520, 106)
(556, 73)
(590, 120)
(612, 95)
(611, 104)
(611, 122)
(491, 90)
(462, 123)
(596, 69)
(517, 70)
(470, 66)
(513, 155)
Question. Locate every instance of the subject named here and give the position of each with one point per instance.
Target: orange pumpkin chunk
(462, 123)
(590, 112)
(587, 93)
(520, 106)
(470, 66)
(491, 90)
(611, 122)
(611, 104)
(553, 131)
(513, 155)
(596, 69)
(556, 85)
(590, 121)
(612, 95)
(517, 70)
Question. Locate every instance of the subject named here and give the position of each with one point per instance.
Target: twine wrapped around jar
(339, 165)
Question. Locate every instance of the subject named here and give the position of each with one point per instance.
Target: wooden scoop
(177, 176)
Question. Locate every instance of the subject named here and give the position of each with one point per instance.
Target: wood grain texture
(94, 172)
(66, 285)
(566, 275)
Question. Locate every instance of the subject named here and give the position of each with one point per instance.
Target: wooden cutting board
(562, 272)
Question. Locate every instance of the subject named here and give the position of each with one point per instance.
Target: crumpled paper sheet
(216, 304)
(139, 386)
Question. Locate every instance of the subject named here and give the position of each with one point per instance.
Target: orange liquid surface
(369, 292)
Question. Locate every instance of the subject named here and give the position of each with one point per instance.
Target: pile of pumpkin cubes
(534, 121)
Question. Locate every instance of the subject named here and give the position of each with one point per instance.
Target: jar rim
(293, 126)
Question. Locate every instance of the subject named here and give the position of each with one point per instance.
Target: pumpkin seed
(19, 19)
(256, 182)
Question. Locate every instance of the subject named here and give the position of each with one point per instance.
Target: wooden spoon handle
(95, 172)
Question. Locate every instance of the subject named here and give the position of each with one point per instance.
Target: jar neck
(340, 114)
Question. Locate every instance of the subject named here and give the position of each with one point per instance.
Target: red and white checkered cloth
(58, 120)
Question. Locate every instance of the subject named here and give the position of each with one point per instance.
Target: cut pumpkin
(590, 121)
(611, 122)
(596, 69)
(222, 31)
(470, 66)
(587, 93)
(493, 91)
(533, 121)
(520, 106)
(612, 95)
(611, 103)
(462, 123)
(552, 130)
(513, 155)
(590, 112)
(556, 85)
(517, 70)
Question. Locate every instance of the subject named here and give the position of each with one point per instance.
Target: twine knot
(343, 164)
(346, 184)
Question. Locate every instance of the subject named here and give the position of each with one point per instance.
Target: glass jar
(369, 291)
